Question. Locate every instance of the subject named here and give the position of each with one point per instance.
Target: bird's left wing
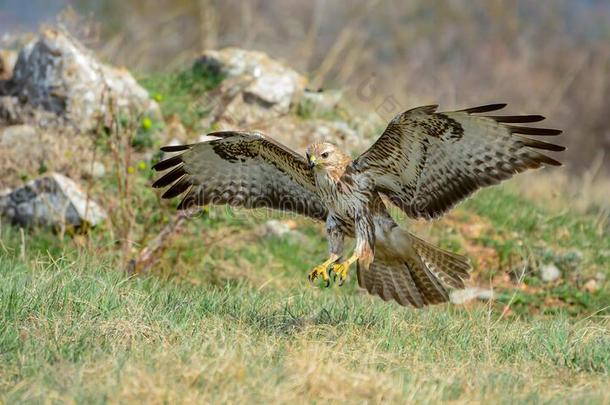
(243, 169)
(427, 161)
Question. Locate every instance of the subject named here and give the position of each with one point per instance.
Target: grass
(76, 329)
(184, 93)
(229, 317)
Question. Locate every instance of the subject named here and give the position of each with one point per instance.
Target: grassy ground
(228, 316)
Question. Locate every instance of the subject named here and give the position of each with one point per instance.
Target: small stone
(285, 230)
(98, 170)
(276, 228)
(549, 273)
(470, 294)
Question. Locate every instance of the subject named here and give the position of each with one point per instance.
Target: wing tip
(534, 131)
(484, 108)
(167, 163)
(534, 143)
(517, 119)
(175, 148)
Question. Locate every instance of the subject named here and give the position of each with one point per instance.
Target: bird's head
(326, 156)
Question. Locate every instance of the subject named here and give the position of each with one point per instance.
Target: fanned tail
(412, 271)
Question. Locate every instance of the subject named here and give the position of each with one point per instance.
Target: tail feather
(413, 271)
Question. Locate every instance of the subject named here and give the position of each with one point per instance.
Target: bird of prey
(424, 162)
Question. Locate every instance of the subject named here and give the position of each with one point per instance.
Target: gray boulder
(53, 200)
(267, 88)
(57, 81)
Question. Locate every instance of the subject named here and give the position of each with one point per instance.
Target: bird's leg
(365, 247)
(341, 269)
(322, 270)
(335, 250)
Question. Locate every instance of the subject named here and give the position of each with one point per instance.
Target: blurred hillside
(549, 57)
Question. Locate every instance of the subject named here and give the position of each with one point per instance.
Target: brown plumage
(424, 162)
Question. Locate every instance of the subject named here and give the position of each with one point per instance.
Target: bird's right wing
(241, 169)
(427, 161)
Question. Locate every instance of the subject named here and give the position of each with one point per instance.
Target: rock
(471, 293)
(95, 170)
(549, 273)
(571, 260)
(278, 228)
(53, 200)
(56, 81)
(285, 230)
(266, 88)
(7, 63)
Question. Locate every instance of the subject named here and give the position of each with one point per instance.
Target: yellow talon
(319, 271)
(341, 269)
(322, 271)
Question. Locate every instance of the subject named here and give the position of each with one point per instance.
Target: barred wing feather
(241, 169)
(425, 161)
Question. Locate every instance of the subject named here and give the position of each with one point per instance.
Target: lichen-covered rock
(268, 88)
(53, 200)
(57, 81)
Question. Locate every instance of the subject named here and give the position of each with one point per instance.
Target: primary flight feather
(424, 163)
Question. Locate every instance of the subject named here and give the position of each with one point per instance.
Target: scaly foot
(319, 271)
(322, 270)
(341, 269)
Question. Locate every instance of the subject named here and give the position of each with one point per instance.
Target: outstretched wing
(241, 169)
(425, 162)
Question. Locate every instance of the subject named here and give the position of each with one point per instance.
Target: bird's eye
(324, 155)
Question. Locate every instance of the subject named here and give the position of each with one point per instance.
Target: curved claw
(340, 270)
(319, 271)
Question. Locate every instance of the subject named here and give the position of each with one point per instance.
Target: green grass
(184, 93)
(76, 329)
(229, 317)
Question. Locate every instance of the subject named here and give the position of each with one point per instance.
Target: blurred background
(548, 57)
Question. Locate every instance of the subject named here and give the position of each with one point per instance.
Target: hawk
(424, 163)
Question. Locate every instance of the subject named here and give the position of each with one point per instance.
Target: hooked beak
(311, 159)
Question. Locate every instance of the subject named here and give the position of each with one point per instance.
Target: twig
(149, 256)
